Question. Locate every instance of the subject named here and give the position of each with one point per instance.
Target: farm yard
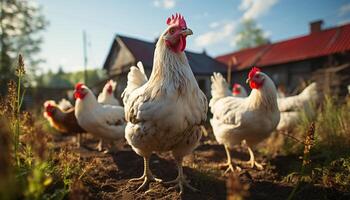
(49, 165)
(268, 117)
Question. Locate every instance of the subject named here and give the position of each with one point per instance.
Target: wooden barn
(126, 52)
(322, 55)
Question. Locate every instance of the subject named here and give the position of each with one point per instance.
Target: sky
(215, 24)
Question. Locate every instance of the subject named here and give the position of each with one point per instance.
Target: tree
(250, 35)
(63, 79)
(21, 22)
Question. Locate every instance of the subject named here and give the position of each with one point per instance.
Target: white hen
(301, 101)
(64, 104)
(165, 113)
(251, 119)
(291, 107)
(105, 121)
(239, 91)
(107, 97)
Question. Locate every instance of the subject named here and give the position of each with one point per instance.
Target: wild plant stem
(17, 131)
(306, 157)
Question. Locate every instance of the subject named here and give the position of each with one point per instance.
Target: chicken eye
(172, 31)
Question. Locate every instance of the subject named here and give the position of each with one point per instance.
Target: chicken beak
(187, 32)
(248, 80)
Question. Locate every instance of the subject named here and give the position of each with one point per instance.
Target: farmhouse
(323, 55)
(126, 52)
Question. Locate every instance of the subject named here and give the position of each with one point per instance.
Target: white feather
(107, 98)
(165, 112)
(64, 104)
(252, 118)
(293, 103)
(106, 121)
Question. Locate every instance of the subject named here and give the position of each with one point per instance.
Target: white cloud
(267, 34)
(344, 9)
(224, 31)
(245, 4)
(166, 4)
(235, 39)
(201, 15)
(214, 24)
(343, 22)
(255, 8)
(221, 31)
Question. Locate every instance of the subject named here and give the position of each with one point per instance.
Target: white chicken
(64, 104)
(288, 120)
(250, 119)
(292, 107)
(165, 112)
(104, 121)
(106, 97)
(301, 101)
(222, 89)
(238, 90)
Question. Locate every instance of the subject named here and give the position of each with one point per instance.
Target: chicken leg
(252, 161)
(79, 137)
(229, 163)
(147, 176)
(99, 146)
(181, 179)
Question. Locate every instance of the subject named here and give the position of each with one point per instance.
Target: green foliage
(330, 156)
(336, 174)
(250, 35)
(38, 180)
(29, 170)
(62, 79)
(20, 25)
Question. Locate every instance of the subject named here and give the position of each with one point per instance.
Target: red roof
(326, 42)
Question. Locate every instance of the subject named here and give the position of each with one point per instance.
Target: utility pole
(85, 58)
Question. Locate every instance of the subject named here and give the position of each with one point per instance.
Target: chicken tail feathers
(136, 78)
(64, 104)
(219, 88)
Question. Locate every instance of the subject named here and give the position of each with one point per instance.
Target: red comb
(253, 72)
(178, 19)
(236, 88)
(78, 86)
(236, 85)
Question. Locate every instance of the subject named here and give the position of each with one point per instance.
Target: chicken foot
(229, 164)
(180, 179)
(147, 176)
(251, 161)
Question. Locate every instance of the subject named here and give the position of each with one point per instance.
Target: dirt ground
(108, 176)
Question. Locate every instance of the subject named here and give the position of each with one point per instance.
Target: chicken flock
(165, 111)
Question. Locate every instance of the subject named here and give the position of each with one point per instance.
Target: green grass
(329, 157)
(30, 169)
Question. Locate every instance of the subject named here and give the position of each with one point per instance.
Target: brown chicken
(62, 120)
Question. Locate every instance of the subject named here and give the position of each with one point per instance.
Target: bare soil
(108, 176)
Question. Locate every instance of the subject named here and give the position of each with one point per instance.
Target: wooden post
(231, 63)
(229, 69)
